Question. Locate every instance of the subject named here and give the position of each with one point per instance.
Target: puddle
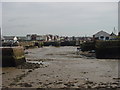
(38, 62)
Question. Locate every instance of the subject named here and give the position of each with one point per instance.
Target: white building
(29, 37)
(15, 39)
(101, 35)
(38, 37)
(10, 38)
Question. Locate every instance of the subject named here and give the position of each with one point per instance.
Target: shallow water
(38, 62)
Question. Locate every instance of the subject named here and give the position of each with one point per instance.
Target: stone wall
(12, 56)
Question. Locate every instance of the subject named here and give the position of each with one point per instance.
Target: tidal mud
(62, 67)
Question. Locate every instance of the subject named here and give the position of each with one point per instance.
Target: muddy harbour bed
(61, 67)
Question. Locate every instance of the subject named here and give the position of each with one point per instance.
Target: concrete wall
(12, 56)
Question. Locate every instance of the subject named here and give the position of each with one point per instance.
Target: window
(107, 38)
(101, 37)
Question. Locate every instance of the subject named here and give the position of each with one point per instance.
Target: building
(13, 38)
(34, 37)
(112, 36)
(56, 38)
(101, 35)
(49, 37)
(10, 38)
(41, 38)
(31, 37)
(28, 37)
(22, 38)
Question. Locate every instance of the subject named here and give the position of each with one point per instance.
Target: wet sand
(62, 67)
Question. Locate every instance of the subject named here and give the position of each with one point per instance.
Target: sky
(58, 18)
(0, 14)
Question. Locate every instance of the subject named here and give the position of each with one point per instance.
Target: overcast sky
(69, 19)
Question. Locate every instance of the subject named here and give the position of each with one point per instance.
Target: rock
(30, 71)
(3, 73)
(27, 65)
